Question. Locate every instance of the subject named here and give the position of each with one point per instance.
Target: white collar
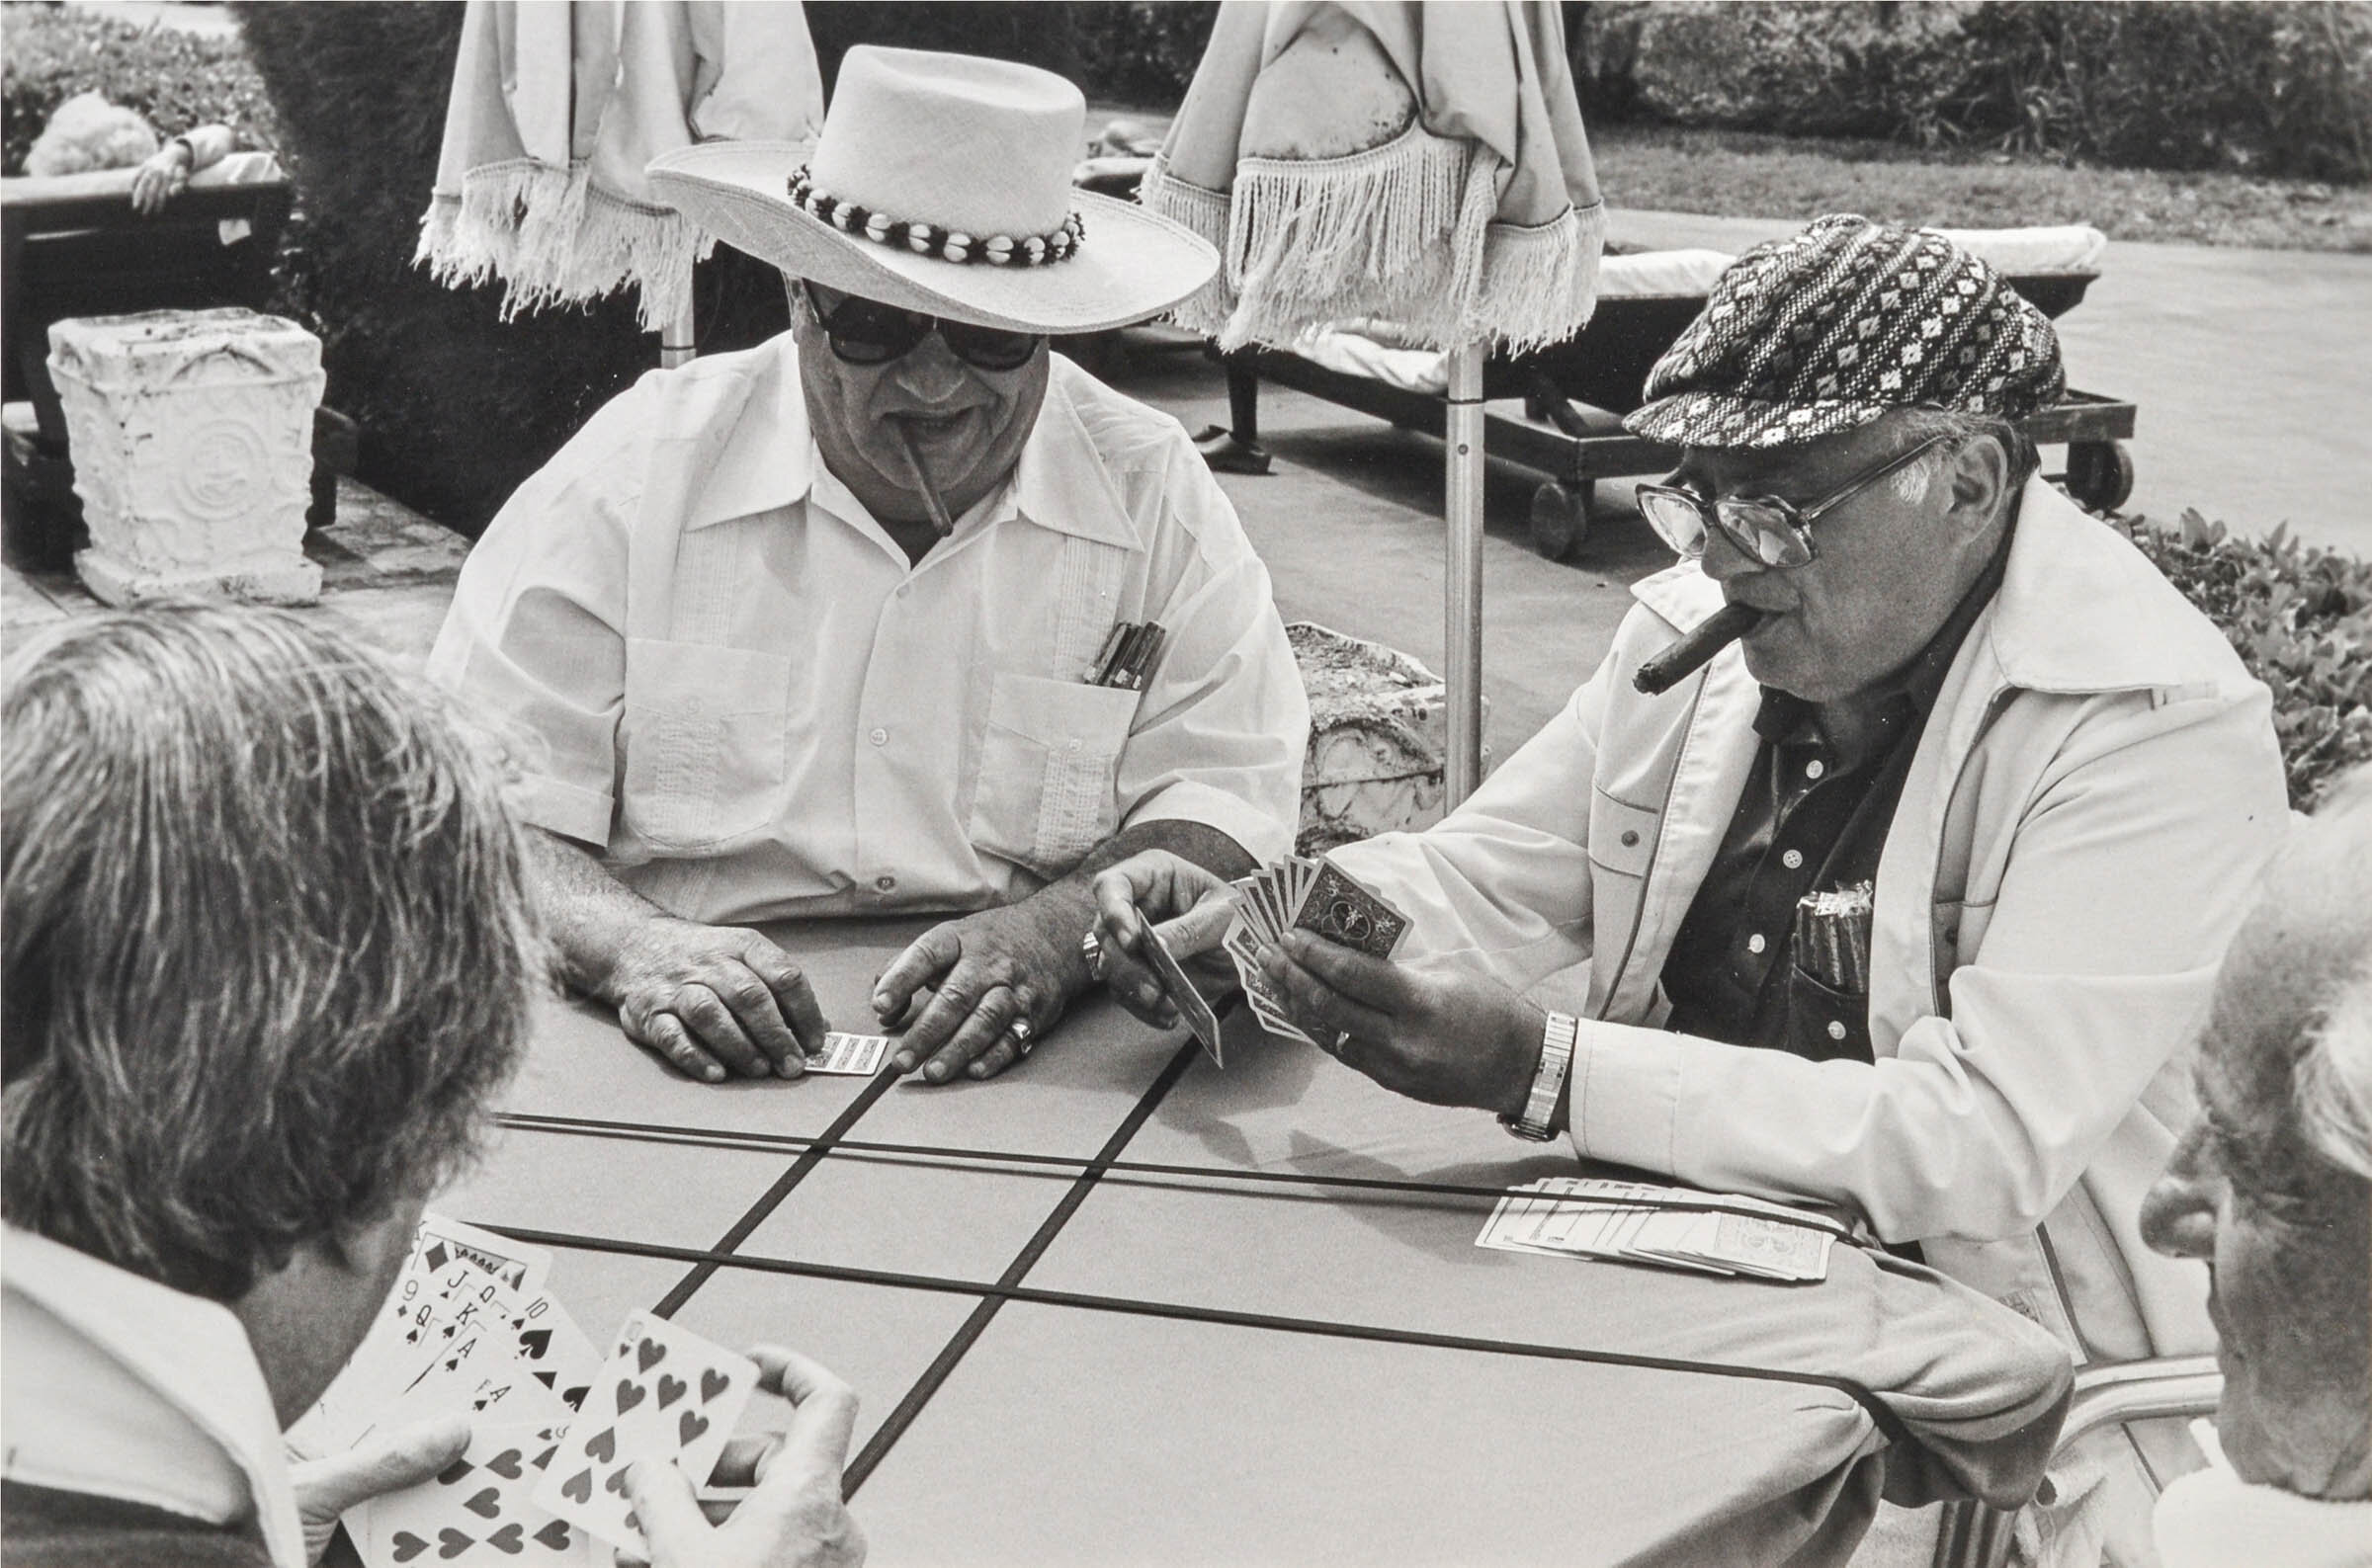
(769, 458)
(119, 1387)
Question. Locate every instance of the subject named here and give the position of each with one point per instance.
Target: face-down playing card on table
(478, 1510)
(665, 1393)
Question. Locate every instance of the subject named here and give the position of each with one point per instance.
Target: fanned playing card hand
(1316, 896)
(478, 1510)
(664, 1395)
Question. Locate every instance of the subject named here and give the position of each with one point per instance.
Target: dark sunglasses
(1765, 528)
(867, 332)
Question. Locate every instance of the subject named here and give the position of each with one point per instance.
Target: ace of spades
(665, 1393)
(478, 1510)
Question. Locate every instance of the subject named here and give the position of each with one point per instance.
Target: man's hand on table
(1190, 907)
(1448, 1039)
(968, 983)
(710, 998)
(794, 1518)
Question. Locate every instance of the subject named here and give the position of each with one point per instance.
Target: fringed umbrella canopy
(555, 110)
(1421, 163)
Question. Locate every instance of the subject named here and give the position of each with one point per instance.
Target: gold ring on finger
(1091, 947)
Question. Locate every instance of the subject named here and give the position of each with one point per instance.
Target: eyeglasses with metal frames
(1770, 531)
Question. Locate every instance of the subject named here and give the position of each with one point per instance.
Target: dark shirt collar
(1913, 689)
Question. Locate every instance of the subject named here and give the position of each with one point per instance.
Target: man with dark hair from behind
(268, 952)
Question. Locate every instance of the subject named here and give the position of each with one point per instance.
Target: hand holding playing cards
(1190, 905)
(712, 997)
(795, 1518)
(990, 970)
(1448, 1039)
(387, 1462)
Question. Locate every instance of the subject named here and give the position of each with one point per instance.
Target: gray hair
(2332, 1089)
(2294, 1000)
(267, 942)
(1916, 424)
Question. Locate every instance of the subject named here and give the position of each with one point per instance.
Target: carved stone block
(192, 433)
(1377, 728)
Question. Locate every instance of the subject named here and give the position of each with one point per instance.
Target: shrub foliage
(2300, 620)
(173, 79)
(2271, 88)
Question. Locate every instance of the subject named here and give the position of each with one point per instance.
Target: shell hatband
(926, 239)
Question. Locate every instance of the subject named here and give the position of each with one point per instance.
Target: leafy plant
(175, 80)
(2282, 87)
(2300, 616)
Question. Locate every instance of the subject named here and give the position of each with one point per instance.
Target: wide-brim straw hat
(925, 156)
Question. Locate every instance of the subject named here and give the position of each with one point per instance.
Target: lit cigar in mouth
(1687, 656)
(941, 523)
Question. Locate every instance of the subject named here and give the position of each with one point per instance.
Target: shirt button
(1815, 768)
(904, 589)
(1071, 744)
(1792, 859)
(1756, 944)
(1630, 838)
(879, 737)
(886, 883)
(1837, 1028)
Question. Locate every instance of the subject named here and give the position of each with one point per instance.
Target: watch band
(1557, 1040)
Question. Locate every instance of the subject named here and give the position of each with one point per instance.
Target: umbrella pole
(677, 342)
(1462, 452)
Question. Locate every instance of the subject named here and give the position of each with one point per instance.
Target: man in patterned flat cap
(1908, 900)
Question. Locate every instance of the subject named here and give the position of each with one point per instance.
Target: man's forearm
(589, 914)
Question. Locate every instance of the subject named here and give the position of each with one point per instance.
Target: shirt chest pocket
(1047, 761)
(705, 736)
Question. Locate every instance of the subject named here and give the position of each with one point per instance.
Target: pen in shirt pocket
(1130, 653)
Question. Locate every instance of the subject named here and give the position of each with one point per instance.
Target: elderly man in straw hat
(1907, 900)
(898, 612)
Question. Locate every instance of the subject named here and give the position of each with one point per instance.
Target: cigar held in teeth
(1687, 656)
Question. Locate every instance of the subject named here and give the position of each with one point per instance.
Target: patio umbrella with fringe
(1417, 162)
(555, 110)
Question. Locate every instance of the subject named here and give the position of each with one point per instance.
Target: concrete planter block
(192, 433)
(1378, 724)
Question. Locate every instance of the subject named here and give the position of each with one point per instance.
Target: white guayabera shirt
(736, 685)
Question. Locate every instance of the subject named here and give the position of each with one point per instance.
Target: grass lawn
(1746, 174)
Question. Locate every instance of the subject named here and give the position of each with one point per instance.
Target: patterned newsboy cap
(1826, 330)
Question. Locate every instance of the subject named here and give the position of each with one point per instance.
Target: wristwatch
(1548, 1081)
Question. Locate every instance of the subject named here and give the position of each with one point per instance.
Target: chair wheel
(2099, 473)
(1560, 520)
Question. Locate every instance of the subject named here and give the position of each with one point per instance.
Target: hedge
(2300, 617)
(2248, 85)
(175, 80)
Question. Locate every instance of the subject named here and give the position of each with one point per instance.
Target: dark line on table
(886, 1436)
(771, 1199)
(728, 1139)
(1226, 1317)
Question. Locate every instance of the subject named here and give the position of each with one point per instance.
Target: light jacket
(2094, 798)
(118, 1388)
